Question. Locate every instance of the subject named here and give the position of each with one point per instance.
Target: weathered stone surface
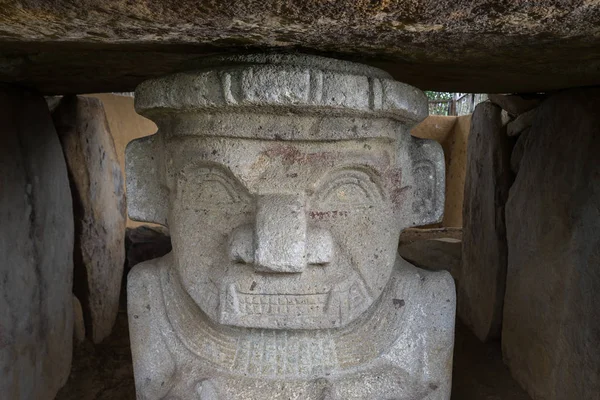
(482, 275)
(99, 205)
(78, 321)
(518, 150)
(36, 243)
(515, 104)
(125, 125)
(551, 325)
(66, 46)
(506, 117)
(433, 255)
(521, 123)
(285, 187)
(451, 133)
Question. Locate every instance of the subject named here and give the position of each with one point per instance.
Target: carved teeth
(282, 304)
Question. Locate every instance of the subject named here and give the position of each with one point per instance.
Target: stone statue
(285, 181)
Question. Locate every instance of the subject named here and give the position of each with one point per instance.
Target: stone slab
(36, 243)
(515, 104)
(483, 272)
(99, 205)
(551, 325)
(64, 46)
(520, 123)
(518, 151)
(125, 125)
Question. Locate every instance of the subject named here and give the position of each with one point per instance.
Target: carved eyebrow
(365, 178)
(221, 173)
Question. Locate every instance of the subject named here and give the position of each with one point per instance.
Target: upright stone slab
(482, 276)
(99, 205)
(36, 243)
(551, 331)
(285, 182)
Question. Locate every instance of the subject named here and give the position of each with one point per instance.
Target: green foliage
(433, 96)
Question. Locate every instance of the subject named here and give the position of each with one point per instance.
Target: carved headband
(255, 86)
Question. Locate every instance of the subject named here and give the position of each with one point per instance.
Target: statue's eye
(209, 188)
(215, 191)
(348, 188)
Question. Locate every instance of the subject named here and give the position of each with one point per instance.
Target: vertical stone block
(99, 206)
(482, 276)
(551, 331)
(36, 243)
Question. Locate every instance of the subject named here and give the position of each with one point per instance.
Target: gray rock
(551, 331)
(285, 186)
(518, 150)
(515, 104)
(483, 272)
(506, 118)
(70, 46)
(433, 255)
(36, 243)
(521, 123)
(99, 205)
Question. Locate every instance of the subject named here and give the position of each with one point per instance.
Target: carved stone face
(272, 234)
(285, 182)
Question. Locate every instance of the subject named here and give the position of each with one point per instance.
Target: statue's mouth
(281, 304)
(293, 310)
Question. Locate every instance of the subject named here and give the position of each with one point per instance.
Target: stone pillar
(99, 206)
(36, 243)
(482, 274)
(285, 182)
(551, 327)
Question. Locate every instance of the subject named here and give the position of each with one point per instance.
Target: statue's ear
(426, 164)
(147, 195)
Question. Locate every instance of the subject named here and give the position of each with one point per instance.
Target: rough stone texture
(125, 125)
(36, 243)
(66, 46)
(433, 255)
(520, 123)
(515, 104)
(482, 275)
(452, 133)
(551, 317)
(308, 153)
(505, 116)
(99, 206)
(104, 371)
(518, 150)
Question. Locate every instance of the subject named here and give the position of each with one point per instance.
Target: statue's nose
(280, 241)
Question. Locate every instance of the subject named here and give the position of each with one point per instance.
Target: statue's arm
(439, 321)
(153, 364)
(425, 350)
